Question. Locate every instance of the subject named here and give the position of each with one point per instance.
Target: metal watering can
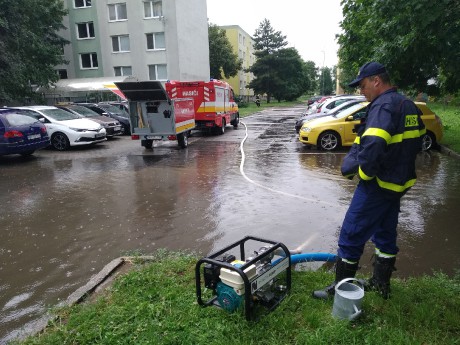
(348, 296)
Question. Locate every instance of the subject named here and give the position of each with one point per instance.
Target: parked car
(433, 125)
(335, 101)
(65, 129)
(112, 111)
(123, 105)
(333, 131)
(112, 126)
(314, 106)
(313, 100)
(334, 111)
(21, 134)
(330, 102)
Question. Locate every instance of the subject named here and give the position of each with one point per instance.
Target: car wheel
(27, 153)
(221, 130)
(329, 141)
(126, 130)
(182, 139)
(428, 141)
(236, 121)
(60, 141)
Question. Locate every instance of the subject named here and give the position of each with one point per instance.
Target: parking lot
(67, 214)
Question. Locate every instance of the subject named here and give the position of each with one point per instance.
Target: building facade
(243, 45)
(145, 39)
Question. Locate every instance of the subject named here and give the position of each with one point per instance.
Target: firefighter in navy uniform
(383, 157)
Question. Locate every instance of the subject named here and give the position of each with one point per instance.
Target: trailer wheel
(148, 144)
(182, 139)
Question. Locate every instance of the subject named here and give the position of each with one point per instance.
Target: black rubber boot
(380, 280)
(342, 270)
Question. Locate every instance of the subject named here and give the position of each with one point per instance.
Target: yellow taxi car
(332, 132)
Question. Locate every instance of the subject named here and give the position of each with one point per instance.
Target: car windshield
(344, 106)
(114, 110)
(19, 120)
(83, 111)
(349, 111)
(59, 114)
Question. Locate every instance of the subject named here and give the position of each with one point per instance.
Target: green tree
(222, 60)
(291, 75)
(417, 40)
(310, 71)
(267, 42)
(30, 46)
(325, 83)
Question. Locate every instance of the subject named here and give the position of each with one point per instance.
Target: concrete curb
(448, 152)
(80, 294)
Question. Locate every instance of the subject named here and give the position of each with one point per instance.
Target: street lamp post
(322, 73)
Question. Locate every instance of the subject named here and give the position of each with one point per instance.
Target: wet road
(65, 215)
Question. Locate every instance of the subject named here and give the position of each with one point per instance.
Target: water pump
(255, 282)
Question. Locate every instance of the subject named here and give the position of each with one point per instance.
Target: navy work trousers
(373, 214)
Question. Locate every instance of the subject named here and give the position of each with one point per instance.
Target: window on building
(120, 44)
(153, 8)
(62, 73)
(157, 72)
(118, 12)
(88, 61)
(82, 3)
(85, 30)
(122, 71)
(156, 41)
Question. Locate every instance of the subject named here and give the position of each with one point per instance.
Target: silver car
(112, 126)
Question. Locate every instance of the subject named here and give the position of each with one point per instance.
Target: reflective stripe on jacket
(387, 144)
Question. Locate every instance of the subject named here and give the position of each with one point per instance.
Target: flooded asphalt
(65, 215)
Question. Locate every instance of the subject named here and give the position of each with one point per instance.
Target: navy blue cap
(367, 70)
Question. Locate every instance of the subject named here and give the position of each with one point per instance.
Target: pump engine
(258, 282)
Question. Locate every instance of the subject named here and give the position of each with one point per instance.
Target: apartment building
(243, 45)
(142, 39)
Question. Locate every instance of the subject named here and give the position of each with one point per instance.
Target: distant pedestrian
(258, 100)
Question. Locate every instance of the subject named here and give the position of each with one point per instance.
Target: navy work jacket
(387, 143)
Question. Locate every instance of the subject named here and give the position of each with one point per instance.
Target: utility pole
(322, 73)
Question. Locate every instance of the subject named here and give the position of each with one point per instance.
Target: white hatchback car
(65, 129)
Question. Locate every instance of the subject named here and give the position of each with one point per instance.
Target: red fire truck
(214, 101)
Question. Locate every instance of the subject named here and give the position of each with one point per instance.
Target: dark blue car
(21, 134)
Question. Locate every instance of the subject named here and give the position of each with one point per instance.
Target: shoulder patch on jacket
(411, 120)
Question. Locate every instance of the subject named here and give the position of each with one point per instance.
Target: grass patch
(155, 303)
(450, 116)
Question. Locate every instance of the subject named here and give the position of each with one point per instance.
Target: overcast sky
(310, 25)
